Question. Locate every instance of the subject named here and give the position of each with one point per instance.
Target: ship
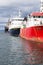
(14, 27)
(32, 28)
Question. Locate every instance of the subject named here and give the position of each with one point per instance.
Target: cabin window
(33, 16)
(17, 19)
(20, 19)
(41, 16)
(38, 16)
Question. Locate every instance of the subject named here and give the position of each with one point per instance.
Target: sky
(20, 3)
(15, 2)
(11, 6)
(26, 5)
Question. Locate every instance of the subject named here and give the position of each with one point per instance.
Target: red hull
(33, 33)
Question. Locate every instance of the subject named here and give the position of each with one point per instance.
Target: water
(2, 25)
(16, 51)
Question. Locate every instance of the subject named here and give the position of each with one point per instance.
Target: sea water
(10, 50)
(16, 51)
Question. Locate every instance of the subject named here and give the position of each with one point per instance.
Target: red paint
(32, 53)
(37, 14)
(33, 33)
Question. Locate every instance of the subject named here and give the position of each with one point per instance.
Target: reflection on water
(17, 51)
(32, 53)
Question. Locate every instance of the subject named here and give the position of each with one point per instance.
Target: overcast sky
(25, 5)
(15, 2)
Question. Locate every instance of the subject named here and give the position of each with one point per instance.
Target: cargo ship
(32, 28)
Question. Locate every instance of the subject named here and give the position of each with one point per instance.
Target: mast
(41, 8)
(19, 13)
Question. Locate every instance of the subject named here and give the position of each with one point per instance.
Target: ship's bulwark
(33, 33)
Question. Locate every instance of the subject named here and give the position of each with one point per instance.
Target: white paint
(34, 22)
(16, 23)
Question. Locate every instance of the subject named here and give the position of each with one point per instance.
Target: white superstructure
(16, 22)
